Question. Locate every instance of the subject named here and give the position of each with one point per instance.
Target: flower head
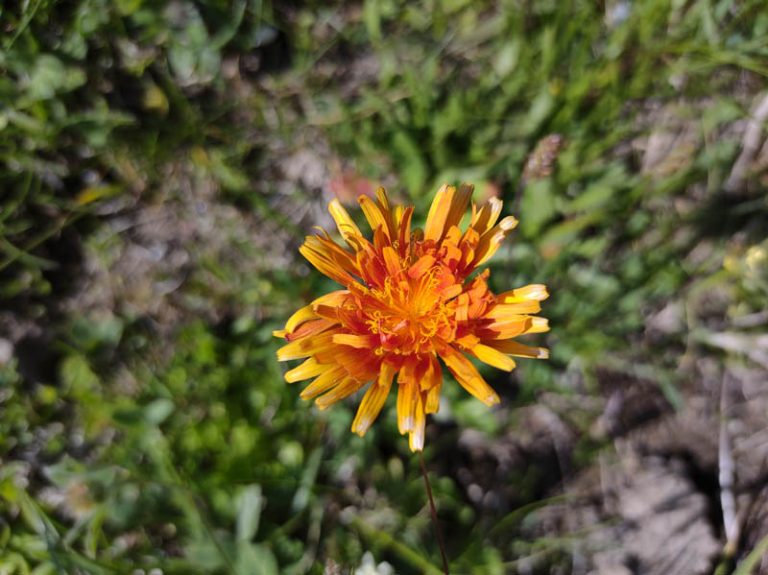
(408, 302)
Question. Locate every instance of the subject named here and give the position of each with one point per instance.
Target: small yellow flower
(408, 301)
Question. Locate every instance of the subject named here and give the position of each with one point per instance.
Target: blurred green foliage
(182, 449)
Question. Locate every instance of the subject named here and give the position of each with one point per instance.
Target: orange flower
(408, 301)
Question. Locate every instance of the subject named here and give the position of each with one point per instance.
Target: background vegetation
(160, 162)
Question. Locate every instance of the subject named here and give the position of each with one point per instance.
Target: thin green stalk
(433, 511)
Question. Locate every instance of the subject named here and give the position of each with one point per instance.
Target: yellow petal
(515, 348)
(381, 196)
(469, 378)
(432, 404)
(347, 227)
(325, 265)
(375, 216)
(493, 357)
(438, 212)
(305, 347)
(485, 218)
(467, 341)
(307, 313)
(407, 395)
(491, 241)
(373, 400)
(344, 389)
(508, 327)
(302, 315)
(416, 435)
(533, 292)
(330, 378)
(431, 384)
(538, 325)
(446, 211)
(504, 310)
(310, 368)
(430, 373)
(459, 205)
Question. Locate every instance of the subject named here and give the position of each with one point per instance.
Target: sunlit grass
(160, 166)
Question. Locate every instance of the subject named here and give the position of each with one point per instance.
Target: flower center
(410, 315)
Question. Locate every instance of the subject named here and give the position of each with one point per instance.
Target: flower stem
(433, 510)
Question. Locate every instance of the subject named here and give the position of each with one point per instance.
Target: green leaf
(413, 167)
(747, 567)
(88, 334)
(253, 559)
(372, 19)
(249, 502)
(507, 58)
(537, 207)
(158, 411)
(594, 197)
(77, 374)
(50, 76)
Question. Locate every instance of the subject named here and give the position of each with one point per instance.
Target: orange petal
(462, 307)
(391, 261)
(467, 341)
(380, 238)
(403, 223)
(312, 327)
(421, 266)
(447, 209)
(469, 378)
(373, 400)
(452, 236)
(356, 341)
(450, 292)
